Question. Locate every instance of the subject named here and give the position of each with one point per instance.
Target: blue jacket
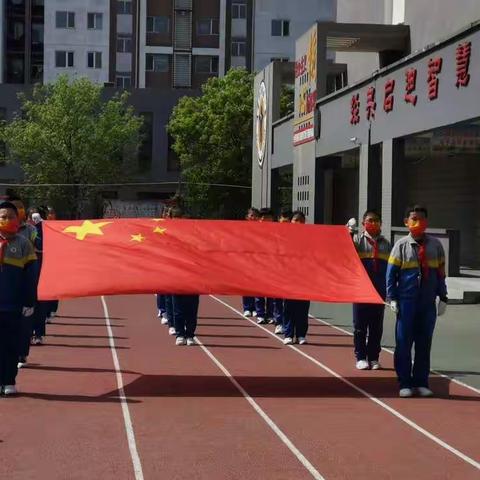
(18, 275)
(405, 279)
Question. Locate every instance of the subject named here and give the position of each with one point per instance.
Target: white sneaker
(164, 321)
(180, 341)
(279, 329)
(9, 390)
(423, 392)
(271, 321)
(254, 313)
(159, 314)
(21, 364)
(172, 331)
(406, 393)
(38, 341)
(191, 341)
(302, 340)
(362, 365)
(260, 320)
(288, 341)
(48, 320)
(375, 365)
(247, 313)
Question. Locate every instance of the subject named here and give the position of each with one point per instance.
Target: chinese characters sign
(306, 77)
(363, 106)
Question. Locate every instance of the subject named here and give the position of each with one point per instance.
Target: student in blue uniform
(279, 303)
(373, 249)
(415, 278)
(249, 302)
(264, 306)
(17, 293)
(296, 311)
(161, 308)
(30, 233)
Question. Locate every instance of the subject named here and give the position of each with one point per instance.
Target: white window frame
(69, 55)
(236, 48)
(124, 39)
(96, 16)
(238, 9)
(123, 77)
(154, 64)
(153, 20)
(212, 29)
(283, 24)
(123, 10)
(211, 70)
(69, 16)
(96, 56)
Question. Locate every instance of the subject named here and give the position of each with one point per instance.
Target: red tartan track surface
(243, 406)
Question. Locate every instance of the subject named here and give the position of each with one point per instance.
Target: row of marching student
(22, 316)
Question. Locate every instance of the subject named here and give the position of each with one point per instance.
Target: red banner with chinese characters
(129, 256)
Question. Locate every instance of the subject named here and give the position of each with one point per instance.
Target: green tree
(287, 100)
(67, 133)
(212, 138)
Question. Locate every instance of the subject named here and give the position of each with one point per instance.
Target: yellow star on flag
(138, 238)
(86, 228)
(160, 230)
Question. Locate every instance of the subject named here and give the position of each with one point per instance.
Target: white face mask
(36, 218)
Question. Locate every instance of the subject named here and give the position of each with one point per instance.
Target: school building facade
(407, 133)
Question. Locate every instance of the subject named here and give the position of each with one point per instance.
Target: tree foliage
(212, 138)
(66, 133)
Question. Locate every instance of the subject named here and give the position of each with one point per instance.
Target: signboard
(306, 77)
(132, 209)
(261, 123)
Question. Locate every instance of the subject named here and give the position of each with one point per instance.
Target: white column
(142, 43)
(387, 186)
(363, 181)
(222, 31)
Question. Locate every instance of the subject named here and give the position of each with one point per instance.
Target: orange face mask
(21, 215)
(417, 227)
(9, 226)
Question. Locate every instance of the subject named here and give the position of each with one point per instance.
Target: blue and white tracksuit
(415, 289)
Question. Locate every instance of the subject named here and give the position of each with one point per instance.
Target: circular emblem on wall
(261, 123)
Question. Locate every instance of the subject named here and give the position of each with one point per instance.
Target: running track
(110, 397)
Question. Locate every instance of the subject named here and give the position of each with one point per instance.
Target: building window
(63, 59)
(124, 44)
(157, 62)
(94, 59)
(95, 21)
(279, 59)
(123, 80)
(158, 25)
(207, 26)
(65, 20)
(205, 64)
(124, 7)
(239, 49)
(280, 28)
(239, 10)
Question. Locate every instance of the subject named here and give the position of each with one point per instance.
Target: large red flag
(127, 256)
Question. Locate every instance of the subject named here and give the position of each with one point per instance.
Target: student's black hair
(417, 209)
(13, 198)
(9, 205)
(298, 213)
(175, 212)
(266, 212)
(285, 212)
(254, 210)
(370, 211)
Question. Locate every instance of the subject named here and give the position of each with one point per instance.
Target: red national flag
(129, 256)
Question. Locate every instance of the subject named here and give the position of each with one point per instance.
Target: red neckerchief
(422, 258)
(3, 248)
(374, 243)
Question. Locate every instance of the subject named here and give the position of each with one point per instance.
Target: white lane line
(132, 445)
(300, 457)
(454, 380)
(387, 407)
